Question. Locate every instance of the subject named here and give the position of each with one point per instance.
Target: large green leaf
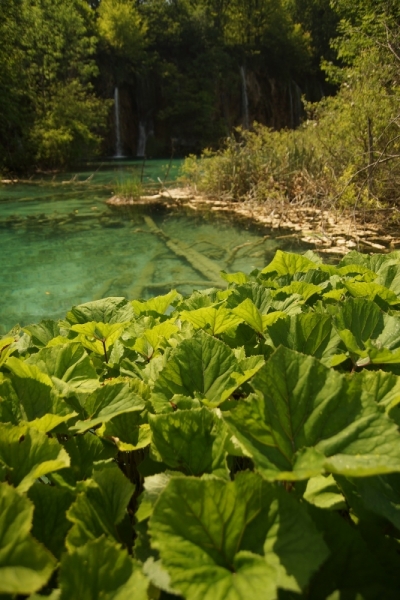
(248, 312)
(310, 333)
(204, 365)
(87, 451)
(308, 419)
(35, 391)
(129, 431)
(353, 569)
(68, 362)
(5, 349)
(100, 507)
(108, 310)
(370, 291)
(192, 441)
(370, 335)
(323, 492)
(99, 337)
(286, 263)
(43, 332)
(25, 565)
(389, 277)
(50, 524)
(28, 454)
(100, 569)
(215, 320)
(113, 399)
(382, 386)
(258, 294)
(222, 541)
(158, 305)
(379, 495)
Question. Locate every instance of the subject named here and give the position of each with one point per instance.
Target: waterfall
(245, 99)
(142, 139)
(118, 142)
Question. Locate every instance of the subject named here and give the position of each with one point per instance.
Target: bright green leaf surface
(107, 402)
(101, 567)
(285, 263)
(201, 364)
(310, 333)
(25, 565)
(50, 524)
(303, 405)
(100, 507)
(107, 310)
(190, 440)
(28, 454)
(210, 534)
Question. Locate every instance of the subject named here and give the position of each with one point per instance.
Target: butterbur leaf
(50, 524)
(304, 289)
(218, 540)
(379, 495)
(237, 278)
(201, 364)
(192, 441)
(158, 305)
(25, 565)
(309, 333)
(128, 431)
(106, 402)
(389, 277)
(370, 290)
(381, 386)
(5, 349)
(286, 263)
(308, 420)
(100, 507)
(214, 320)
(248, 312)
(367, 324)
(324, 493)
(87, 451)
(107, 310)
(28, 454)
(97, 336)
(352, 568)
(43, 332)
(68, 362)
(101, 567)
(259, 295)
(35, 391)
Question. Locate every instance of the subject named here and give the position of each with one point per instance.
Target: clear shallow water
(61, 245)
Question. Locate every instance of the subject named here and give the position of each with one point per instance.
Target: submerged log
(200, 263)
(135, 292)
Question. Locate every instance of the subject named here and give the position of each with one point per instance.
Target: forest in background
(190, 71)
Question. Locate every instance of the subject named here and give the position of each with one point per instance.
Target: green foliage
(228, 443)
(347, 151)
(51, 115)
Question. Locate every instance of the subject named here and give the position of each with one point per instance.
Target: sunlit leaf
(25, 565)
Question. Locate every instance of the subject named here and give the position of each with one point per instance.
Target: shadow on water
(61, 245)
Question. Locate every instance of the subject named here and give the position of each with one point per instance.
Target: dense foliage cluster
(178, 64)
(347, 150)
(238, 443)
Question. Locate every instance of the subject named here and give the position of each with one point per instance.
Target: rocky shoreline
(329, 232)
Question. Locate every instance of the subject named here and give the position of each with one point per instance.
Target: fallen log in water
(207, 267)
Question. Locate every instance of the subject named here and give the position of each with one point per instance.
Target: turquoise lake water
(61, 245)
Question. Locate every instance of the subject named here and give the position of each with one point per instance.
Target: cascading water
(142, 139)
(118, 141)
(245, 99)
